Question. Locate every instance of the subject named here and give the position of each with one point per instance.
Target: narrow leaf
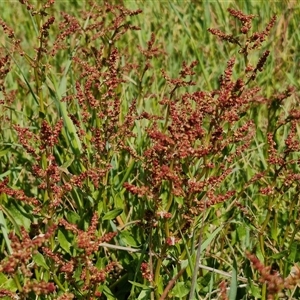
(234, 283)
(40, 260)
(112, 214)
(63, 241)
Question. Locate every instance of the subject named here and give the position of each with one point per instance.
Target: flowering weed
(130, 171)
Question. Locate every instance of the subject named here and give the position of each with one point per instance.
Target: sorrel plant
(123, 180)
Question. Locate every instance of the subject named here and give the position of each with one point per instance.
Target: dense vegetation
(149, 150)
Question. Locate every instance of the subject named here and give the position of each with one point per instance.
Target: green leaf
(180, 290)
(5, 174)
(207, 242)
(119, 199)
(26, 81)
(12, 218)
(143, 286)
(275, 230)
(100, 207)
(129, 168)
(179, 200)
(78, 272)
(40, 260)
(101, 262)
(73, 217)
(112, 214)
(293, 251)
(292, 79)
(7, 283)
(259, 254)
(128, 239)
(234, 283)
(20, 217)
(64, 243)
(5, 232)
(67, 163)
(241, 231)
(184, 263)
(4, 150)
(280, 255)
(255, 290)
(144, 294)
(108, 293)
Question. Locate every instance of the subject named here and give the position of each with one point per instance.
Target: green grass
(119, 184)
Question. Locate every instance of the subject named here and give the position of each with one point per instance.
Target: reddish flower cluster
(140, 191)
(293, 279)
(22, 251)
(195, 130)
(223, 36)
(88, 240)
(67, 267)
(66, 296)
(275, 283)
(146, 273)
(184, 73)
(269, 190)
(257, 38)
(28, 5)
(7, 293)
(4, 69)
(21, 258)
(67, 28)
(223, 290)
(27, 139)
(38, 287)
(7, 30)
(275, 158)
(151, 51)
(91, 275)
(251, 43)
(17, 194)
(87, 244)
(260, 64)
(211, 200)
(171, 241)
(245, 19)
(164, 214)
(49, 136)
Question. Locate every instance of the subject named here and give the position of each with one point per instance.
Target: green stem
(56, 280)
(264, 292)
(157, 271)
(199, 250)
(17, 282)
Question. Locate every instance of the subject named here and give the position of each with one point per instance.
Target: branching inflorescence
(98, 166)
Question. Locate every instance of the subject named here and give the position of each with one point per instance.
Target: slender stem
(264, 292)
(197, 263)
(157, 270)
(56, 280)
(17, 282)
(170, 284)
